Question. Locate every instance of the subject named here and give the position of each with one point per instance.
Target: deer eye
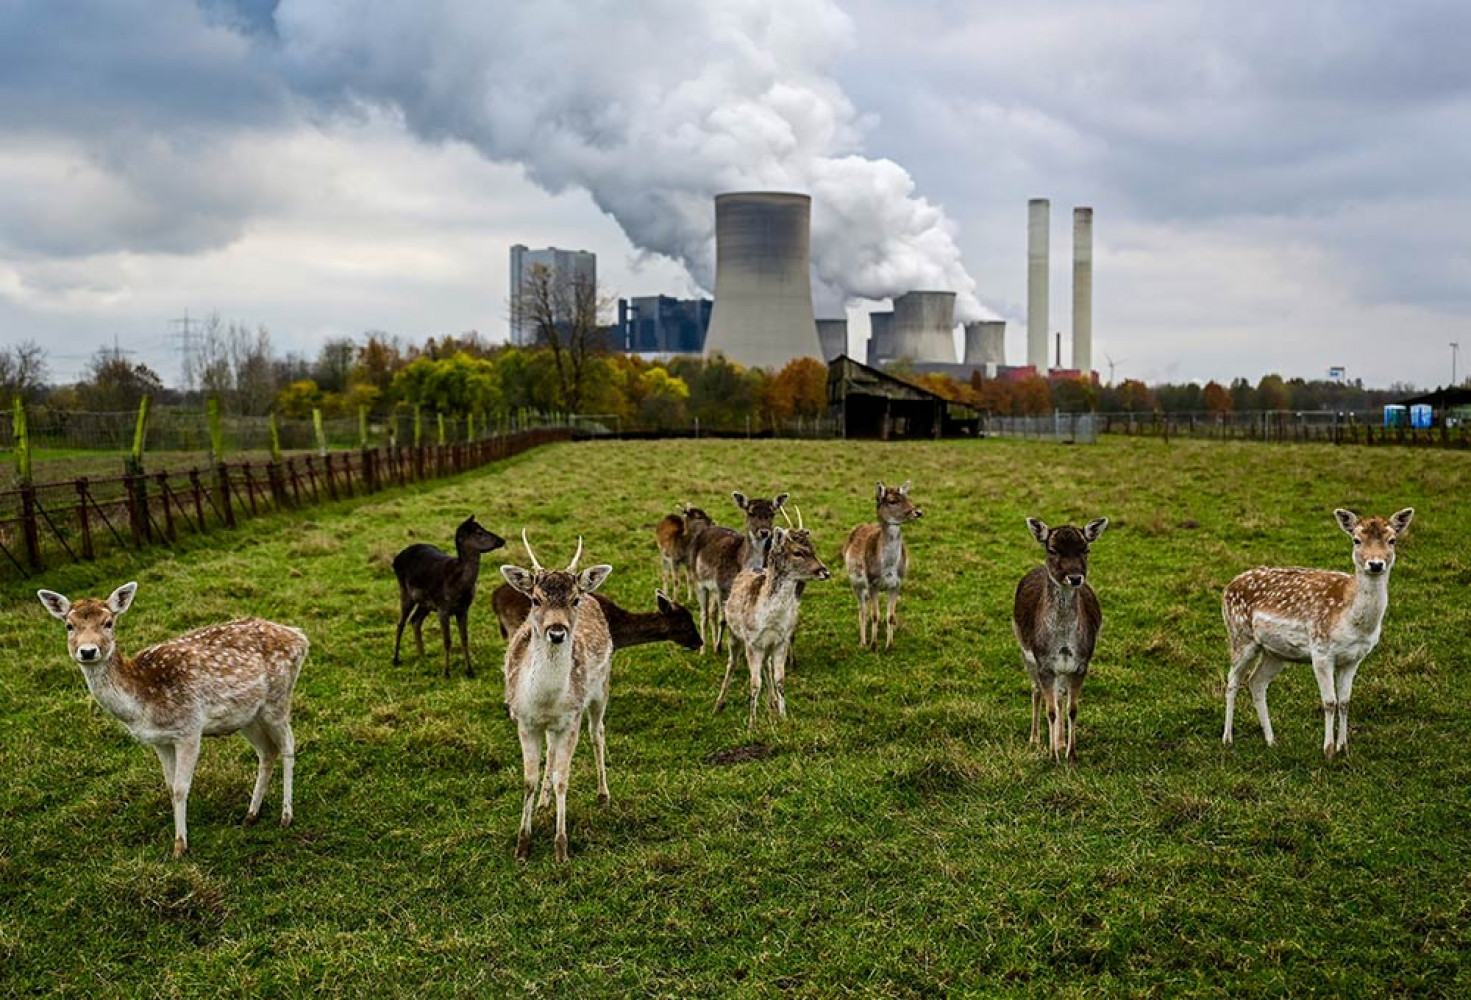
(536, 602)
(576, 601)
(1391, 541)
(1358, 541)
(70, 627)
(107, 625)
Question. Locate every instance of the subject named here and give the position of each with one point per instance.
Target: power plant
(880, 337)
(1083, 291)
(832, 335)
(763, 286)
(985, 343)
(924, 326)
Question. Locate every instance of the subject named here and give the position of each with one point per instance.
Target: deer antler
(788, 516)
(799, 516)
(572, 566)
(535, 566)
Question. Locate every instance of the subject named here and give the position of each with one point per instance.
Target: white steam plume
(653, 107)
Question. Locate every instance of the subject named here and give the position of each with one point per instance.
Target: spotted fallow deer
(762, 612)
(235, 677)
(1326, 618)
(718, 554)
(877, 560)
(557, 671)
(675, 535)
(1056, 618)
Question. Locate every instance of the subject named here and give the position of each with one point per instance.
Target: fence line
(1286, 426)
(76, 519)
(1072, 428)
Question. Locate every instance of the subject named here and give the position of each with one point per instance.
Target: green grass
(900, 839)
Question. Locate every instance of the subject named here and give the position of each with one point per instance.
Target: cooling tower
(763, 289)
(985, 343)
(1037, 224)
(832, 334)
(1083, 290)
(880, 338)
(924, 326)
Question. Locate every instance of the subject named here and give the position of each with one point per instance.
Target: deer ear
(1039, 529)
(878, 493)
(779, 499)
(1093, 529)
(662, 601)
(740, 499)
(904, 490)
(1346, 519)
(122, 599)
(592, 578)
(1400, 519)
(55, 603)
(519, 578)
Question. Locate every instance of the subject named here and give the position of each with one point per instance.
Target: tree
(299, 399)
(996, 396)
(563, 313)
(1075, 395)
(1033, 397)
(115, 384)
(664, 398)
(1134, 396)
(798, 390)
(1217, 399)
(333, 367)
(455, 385)
(1271, 393)
(22, 372)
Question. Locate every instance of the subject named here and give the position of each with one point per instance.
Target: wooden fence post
(227, 509)
(31, 529)
(84, 520)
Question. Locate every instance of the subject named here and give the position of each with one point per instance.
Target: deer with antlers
(231, 678)
(718, 554)
(1329, 619)
(557, 671)
(762, 611)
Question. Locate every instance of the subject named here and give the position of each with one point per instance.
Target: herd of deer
(561, 635)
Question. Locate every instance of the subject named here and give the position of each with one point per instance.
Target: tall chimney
(1037, 223)
(1083, 290)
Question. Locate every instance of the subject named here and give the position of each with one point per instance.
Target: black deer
(430, 579)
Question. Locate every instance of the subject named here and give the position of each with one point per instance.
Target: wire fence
(82, 518)
(1287, 426)
(1070, 428)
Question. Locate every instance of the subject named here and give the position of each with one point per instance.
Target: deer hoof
(286, 816)
(561, 847)
(603, 799)
(180, 847)
(523, 846)
(251, 818)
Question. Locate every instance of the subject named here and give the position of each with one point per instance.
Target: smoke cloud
(652, 107)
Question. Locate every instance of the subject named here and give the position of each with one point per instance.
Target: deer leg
(1267, 668)
(756, 661)
(463, 618)
(875, 615)
(186, 756)
(892, 619)
(1242, 660)
(1049, 694)
(702, 597)
(1323, 673)
(1075, 695)
(530, 772)
(266, 753)
(862, 600)
(730, 658)
(1345, 686)
(565, 743)
(404, 607)
(1035, 738)
(596, 733)
(544, 799)
(165, 752)
(420, 613)
(779, 678)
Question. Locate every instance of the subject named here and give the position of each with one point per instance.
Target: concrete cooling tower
(985, 343)
(763, 288)
(924, 326)
(880, 338)
(832, 334)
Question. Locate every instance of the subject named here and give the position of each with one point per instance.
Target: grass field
(896, 836)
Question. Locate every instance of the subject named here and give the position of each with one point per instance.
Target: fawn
(877, 560)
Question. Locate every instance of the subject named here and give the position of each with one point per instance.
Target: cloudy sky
(1277, 187)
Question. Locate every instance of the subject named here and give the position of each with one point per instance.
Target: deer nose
(917, 513)
(1375, 565)
(1075, 579)
(86, 652)
(557, 633)
(763, 533)
(824, 574)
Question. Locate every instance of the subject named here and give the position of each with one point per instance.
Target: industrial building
(568, 269)
(763, 284)
(660, 324)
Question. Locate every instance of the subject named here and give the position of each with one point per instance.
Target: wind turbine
(1111, 364)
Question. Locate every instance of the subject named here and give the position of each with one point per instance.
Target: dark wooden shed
(869, 403)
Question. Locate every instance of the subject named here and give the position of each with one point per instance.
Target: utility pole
(1455, 347)
(186, 347)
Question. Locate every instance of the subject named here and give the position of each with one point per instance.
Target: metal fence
(80, 519)
(1291, 426)
(1070, 428)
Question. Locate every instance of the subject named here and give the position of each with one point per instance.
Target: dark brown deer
(557, 672)
(1056, 618)
(1329, 619)
(671, 622)
(718, 554)
(762, 612)
(675, 534)
(429, 579)
(230, 678)
(877, 560)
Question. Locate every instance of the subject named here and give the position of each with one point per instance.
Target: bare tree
(236, 366)
(563, 313)
(23, 371)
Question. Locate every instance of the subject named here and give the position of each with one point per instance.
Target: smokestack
(832, 334)
(763, 286)
(1037, 253)
(880, 337)
(1083, 290)
(924, 326)
(985, 342)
